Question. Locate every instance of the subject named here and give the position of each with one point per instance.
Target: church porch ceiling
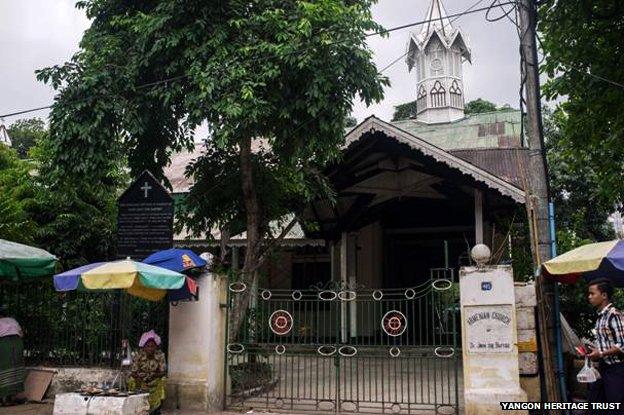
(393, 175)
(393, 141)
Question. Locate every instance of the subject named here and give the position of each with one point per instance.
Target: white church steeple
(437, 53)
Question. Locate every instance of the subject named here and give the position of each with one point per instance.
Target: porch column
(332, 262)
(344, 243)
(478, 200)
(352, 278)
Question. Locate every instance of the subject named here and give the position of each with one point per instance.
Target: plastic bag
(588, 374)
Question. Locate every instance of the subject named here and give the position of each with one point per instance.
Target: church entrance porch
(338, 348)
(371, 323)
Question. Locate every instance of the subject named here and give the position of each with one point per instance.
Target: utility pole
(538, 196)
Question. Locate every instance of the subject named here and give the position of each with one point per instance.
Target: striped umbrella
(138, 279)
(179, 260)
(592, 261)
(19, 263)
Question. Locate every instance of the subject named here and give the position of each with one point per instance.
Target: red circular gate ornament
(394, 323)
(281, 322)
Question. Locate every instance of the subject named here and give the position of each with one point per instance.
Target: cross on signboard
(146, 187)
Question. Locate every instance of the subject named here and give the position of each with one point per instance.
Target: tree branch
(271, 244)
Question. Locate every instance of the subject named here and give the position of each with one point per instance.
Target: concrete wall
(197, 350)
(527, 339)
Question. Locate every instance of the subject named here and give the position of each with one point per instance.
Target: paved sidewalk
(28, 409)
(47, 408)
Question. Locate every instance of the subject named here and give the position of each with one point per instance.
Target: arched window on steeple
(421, 100)
(455, 93)
(438, 95)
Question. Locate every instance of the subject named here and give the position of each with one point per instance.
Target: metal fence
(344, 348)
(80, 328)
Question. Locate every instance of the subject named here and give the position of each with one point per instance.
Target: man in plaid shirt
(609, 349)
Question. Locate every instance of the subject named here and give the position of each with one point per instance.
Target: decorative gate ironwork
(349, 349)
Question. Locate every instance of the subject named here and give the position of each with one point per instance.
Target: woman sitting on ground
(149, 370)
(12, 370)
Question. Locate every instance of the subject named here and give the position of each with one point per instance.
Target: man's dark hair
(604, 286)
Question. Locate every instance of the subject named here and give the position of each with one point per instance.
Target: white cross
(146, 187)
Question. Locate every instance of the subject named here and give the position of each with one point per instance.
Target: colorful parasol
(592, 261)
(179, 260)
(22, 262)
(138, 279)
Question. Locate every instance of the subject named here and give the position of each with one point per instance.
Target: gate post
(197, 349)
(489, 336)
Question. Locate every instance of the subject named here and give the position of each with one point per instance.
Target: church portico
(409, 207)
(378, 330)
(358, 308)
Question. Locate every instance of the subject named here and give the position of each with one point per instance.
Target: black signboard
(145, 219)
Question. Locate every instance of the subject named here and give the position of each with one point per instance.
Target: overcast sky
(40, 33)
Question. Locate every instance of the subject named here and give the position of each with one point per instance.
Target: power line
(598, 77)
(13, 114)
(377, 33)
(456, 16)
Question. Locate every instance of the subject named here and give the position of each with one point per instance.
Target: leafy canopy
(74, 220)
(476, 106)
(283, 73)
(582, 43)
(15, 197)
(25, 133)
(580, 213)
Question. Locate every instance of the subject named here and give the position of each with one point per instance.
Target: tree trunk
(240, 301)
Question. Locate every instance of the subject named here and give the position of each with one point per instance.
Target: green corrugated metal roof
(498, 129)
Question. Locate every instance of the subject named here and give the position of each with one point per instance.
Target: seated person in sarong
(149, 370)
(12, 370)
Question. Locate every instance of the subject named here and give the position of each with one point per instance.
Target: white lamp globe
(480, 254)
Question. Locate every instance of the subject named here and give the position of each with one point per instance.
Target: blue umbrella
(178, 260)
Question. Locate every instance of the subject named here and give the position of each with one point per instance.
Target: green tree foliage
(25, 133)
(476, 106)
(580, 213)
(583, 60)
(75, 219)
(274, 80)
(580, 208)
(15, 197)
(404, 111)
(351, 122)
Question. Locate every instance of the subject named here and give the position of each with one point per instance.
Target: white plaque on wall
(489, 329)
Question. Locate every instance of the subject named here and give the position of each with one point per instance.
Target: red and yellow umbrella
(592, 261)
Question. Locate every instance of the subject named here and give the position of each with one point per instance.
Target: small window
(455, 93)
(421, 100)
(437, 61)
(421, 66)
(455, 61)
(438, 95)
